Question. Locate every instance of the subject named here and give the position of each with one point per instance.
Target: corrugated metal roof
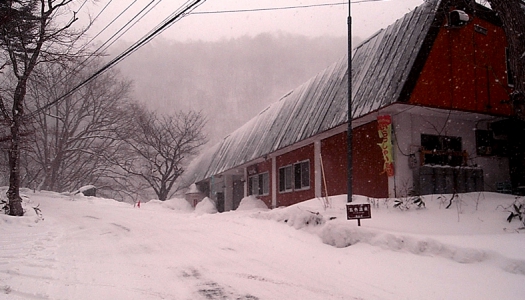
(380, 68)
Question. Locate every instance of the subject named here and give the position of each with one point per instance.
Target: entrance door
(514, 130)
(238, 193)
(220, 201)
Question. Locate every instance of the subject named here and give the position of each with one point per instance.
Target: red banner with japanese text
(384, 124)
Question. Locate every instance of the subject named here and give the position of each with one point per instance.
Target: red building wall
(369, 178)
(367, 160)
(301, 154)
(333, 152)
(466, 70)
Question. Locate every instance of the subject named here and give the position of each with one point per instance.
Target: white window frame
(290, 173)
(304, 184)
(253, 185)
(264, 184)
(288, 179)
(258, 186)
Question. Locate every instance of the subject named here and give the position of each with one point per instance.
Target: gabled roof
(381, 66)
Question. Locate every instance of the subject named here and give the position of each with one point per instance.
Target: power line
(98, 50)
(143, 12)
(282, 8)
(183, 11)
(126, 25)
(102, 10)
(111, 40)
(173, 18)
(112, 21)
(268, 8)
(209, 12)
(129, 27)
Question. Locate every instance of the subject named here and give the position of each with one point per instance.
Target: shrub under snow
(206, 206)
(251, 203)
(294, 216)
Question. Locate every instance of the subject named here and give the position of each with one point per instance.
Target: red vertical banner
(384, 124)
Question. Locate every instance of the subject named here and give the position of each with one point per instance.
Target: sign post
(358, 211)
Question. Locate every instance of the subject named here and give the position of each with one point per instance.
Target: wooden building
(430, 114)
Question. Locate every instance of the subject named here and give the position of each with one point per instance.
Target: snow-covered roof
(381, 66)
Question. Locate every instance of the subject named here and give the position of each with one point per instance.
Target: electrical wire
(127, 29)
(94, 19)
(73, 17)
(101, 11)
(215, 12)
(112, 21)
(98, 50)
(183, 11)
(282, 8)
(114, 37)
(93, 54)
(269, 8)
(173, 18)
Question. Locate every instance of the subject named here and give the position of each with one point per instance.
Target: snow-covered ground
(92, 248)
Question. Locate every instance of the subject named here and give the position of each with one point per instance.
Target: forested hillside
(230, 81)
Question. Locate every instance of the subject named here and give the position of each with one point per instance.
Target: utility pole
(349, 130)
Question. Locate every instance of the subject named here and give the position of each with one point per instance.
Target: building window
(264, 184)
(294, 177)
(442, 150)
(487, 145)
(285, 179)
(259, 184)
(510, 74)
(302, 175)
(253, 185)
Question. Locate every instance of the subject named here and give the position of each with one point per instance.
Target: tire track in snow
(208, 289)
(27, 276)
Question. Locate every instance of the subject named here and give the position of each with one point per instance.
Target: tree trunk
(22, 40)
(163, 192)
(13, 194)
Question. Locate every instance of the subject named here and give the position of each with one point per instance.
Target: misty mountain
(230, 81)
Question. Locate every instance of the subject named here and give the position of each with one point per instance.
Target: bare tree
(29, 36)
(123, 187)
(160, 145)
(72, 139)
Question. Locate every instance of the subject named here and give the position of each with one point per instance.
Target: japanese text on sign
(358, 211)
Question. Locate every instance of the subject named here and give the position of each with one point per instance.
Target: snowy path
(101, 249)
(121, 254)
(113, 251)
(27, 256)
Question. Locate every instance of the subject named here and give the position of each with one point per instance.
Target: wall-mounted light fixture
(458, 18)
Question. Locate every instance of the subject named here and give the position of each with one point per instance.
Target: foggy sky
(367, 18)
(160, 90)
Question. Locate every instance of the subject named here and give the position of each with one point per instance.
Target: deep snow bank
(176, 204)
(479, 216)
